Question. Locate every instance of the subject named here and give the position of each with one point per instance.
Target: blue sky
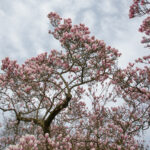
(24, 26)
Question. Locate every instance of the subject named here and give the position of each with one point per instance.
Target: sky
(24, 26)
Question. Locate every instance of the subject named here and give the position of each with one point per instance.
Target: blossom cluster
(145, 28)
(140, 8)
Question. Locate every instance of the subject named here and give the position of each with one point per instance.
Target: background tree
(140, 8)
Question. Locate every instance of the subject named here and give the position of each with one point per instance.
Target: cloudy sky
(24, 26)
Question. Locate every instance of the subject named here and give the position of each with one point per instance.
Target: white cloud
(89, 19)
(107, 7)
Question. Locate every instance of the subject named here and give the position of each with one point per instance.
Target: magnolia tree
(46, 98)
(140, 8)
